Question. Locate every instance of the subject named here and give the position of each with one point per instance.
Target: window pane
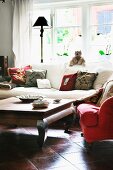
(102, 15)
(68, 34)
(67, 40)
(102, 29)
(68, 17)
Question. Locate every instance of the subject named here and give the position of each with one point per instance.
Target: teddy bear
(77, 59)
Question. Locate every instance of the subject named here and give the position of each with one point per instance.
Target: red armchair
(96, 122)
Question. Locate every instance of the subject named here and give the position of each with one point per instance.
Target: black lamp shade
(41, 21)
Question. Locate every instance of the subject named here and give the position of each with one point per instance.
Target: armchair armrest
(89, 119)
(106, 114)
(88, 114)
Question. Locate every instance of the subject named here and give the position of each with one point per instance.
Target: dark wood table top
(15, 104)
(14, 111)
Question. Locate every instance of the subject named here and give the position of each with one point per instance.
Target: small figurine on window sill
(77, 59)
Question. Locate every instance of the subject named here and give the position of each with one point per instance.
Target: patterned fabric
(18, 78)
(94, 98)
(18, 75)
(108, 91)
(33, 75)
(68, 82)
(85, 80)
(7, 85)
(15, 70)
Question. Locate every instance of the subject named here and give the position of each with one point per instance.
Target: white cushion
(43, 84)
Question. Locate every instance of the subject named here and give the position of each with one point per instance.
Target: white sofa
(55, 74)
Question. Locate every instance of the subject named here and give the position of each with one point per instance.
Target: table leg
(42, 127)
(69, 121)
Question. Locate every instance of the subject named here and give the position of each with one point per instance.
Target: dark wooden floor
(61, 151)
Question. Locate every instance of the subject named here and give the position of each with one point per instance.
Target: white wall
(6, 31)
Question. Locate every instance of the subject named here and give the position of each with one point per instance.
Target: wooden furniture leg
(42, 125)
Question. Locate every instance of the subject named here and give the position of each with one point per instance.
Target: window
(88, 28)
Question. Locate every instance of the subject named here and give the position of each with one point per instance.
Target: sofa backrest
(55, 72)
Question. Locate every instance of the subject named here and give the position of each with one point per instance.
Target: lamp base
(41, 60)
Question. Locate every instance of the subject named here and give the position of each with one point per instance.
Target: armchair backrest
(106, 113)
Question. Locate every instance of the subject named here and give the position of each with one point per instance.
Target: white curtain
(22, 30)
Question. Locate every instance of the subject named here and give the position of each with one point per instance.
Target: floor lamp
(41, 21)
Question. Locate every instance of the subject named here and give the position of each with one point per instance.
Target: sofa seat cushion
(51, 93)
(17, 91)
(88, 114)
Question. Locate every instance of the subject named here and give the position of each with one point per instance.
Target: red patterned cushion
(68, 82)
(18, 74)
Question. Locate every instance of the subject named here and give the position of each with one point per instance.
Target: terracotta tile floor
(19, 151)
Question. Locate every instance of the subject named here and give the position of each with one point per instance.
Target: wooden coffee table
(15, 112)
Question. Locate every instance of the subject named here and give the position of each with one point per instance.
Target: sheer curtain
(22, 30)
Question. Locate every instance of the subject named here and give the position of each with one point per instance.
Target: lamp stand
(41, 21)
(41, 35)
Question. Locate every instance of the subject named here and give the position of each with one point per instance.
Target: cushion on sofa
(43, 84)
(93, 98)
(33, 75)
(18, 79)
(15, 70)
(68, 82)
(7, 85)
(85, 80)
(18, 74)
